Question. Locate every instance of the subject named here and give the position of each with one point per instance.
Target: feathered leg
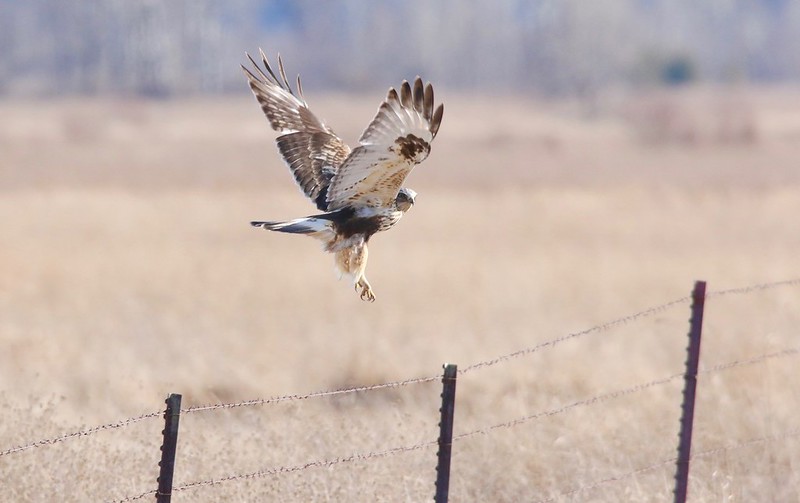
(352, 261)
(361, 277)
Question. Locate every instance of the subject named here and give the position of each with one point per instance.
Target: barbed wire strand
(129, 421)
(626, 391)
(480, 431)
(750, 361)
(83, 433)
(552, 412)
(136, 497)
(290, 469)
(315, 394)
(753, 288)
(627, 319)
(598, 328)
(668, 462)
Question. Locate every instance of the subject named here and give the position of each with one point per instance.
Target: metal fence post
(445, 433)
(689, 388)
(168, 447)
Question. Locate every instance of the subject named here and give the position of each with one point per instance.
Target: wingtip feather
(419, 95)
(428, 102)
(436, 120)
(405, 94)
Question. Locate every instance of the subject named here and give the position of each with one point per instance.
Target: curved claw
(367, 295)
(366, 291)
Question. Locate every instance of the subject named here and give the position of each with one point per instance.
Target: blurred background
(595, 158)
(543, 47)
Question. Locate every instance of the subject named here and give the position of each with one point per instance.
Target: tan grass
(128, 271)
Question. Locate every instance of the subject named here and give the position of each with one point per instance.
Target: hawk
(359, 191)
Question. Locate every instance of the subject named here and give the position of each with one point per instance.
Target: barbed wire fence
(486, 430)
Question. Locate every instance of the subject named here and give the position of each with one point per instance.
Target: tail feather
(297, 226)
(319, 228)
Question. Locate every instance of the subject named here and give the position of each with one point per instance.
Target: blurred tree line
(566, 47)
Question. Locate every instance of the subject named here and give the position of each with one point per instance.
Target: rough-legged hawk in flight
(358, 190)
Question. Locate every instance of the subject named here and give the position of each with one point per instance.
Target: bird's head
(405, 199)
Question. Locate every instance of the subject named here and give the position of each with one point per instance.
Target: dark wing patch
(412, 148)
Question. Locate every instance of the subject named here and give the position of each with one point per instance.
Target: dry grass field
(128, 270)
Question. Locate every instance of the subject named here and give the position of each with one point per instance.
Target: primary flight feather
(360, 191)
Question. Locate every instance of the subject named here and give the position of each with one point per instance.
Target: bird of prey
(360, 190)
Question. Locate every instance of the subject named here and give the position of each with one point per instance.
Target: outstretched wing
(397, 139)
(310, 148)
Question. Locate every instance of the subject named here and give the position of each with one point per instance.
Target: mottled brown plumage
(360, 190)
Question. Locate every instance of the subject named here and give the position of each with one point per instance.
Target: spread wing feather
(310, 148)
(396, 140)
